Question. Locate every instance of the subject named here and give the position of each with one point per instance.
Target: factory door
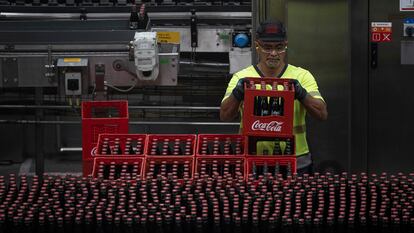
(391, 86)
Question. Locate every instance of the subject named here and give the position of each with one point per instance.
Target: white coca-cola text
(271, 126)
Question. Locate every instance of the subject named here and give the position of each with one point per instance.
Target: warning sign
(71, 59)
(168, 37)
(381, 32)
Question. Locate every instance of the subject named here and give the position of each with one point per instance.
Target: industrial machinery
(170, 59)
(84, 48)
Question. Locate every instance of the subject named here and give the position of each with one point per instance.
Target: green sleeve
(309, 83)
(231, 86)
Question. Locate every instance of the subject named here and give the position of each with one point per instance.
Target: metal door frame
(359, 76)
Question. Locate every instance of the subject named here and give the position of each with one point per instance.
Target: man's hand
(238, 91)
(300, 92)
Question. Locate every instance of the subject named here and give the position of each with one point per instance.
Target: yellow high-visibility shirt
(307, 81)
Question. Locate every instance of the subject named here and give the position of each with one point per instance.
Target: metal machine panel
(318, 42)
(390, 96)
(31, 72)
(210, 39)
(125, 76)
(407, 52)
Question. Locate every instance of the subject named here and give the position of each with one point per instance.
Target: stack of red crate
(100, 117)
(170, 155)
(119, 150)
(268, 125)
(220, 155)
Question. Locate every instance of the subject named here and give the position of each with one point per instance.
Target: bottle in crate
(122, 167)
(270, 155)
(120, 145)
(264, 104)
(266, 145)
(171, 145)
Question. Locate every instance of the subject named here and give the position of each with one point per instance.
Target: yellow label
(71, 59)
(168, 37)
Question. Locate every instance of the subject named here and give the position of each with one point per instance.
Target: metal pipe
(213, 64)
(48, 122)
(58, 133)
(41, 122)
(70, 149)
(35, 106)
(254, 26)
(182, 123)
(39, 133)
(31, 174)
(130, 107)
(114, 16)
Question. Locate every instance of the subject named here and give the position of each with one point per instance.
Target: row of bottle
(275, 146)
(132, 225)
(138, 19)
(136, 146)
(214, 146)
(115, 147)
(123, 171)
(320, 202)
(270, 168)
(221, 146)
(127, 171)
(166, 146)
(216, 168)
(174, 170)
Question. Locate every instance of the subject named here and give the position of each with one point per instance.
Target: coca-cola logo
(271, 126)
(93, 151)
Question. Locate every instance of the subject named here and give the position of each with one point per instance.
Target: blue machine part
(409, 20)
(241, 40)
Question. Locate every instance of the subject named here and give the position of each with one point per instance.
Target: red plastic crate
(171, 145)
(119, 161)
(220, 162)
(100, 117)
(220, 145)
(169, 162)
(270, 161)
(137, 143)
(273, 124)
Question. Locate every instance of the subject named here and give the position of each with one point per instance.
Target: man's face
(272, 54)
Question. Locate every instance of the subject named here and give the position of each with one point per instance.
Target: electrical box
(74, 75)
(240, 53)
(239, 58)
